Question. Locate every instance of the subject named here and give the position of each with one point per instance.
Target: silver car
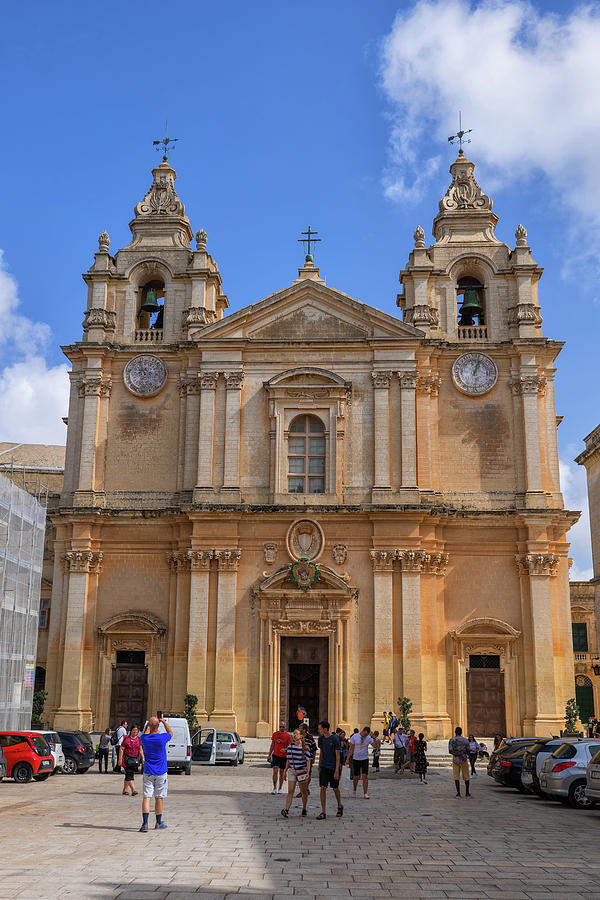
(592, 791)
(54, 742)
(563, 773)
(229, 745)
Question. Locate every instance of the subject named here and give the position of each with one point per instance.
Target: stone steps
(437, 761)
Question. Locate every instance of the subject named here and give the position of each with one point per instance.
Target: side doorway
(485, 696)
(129, 693)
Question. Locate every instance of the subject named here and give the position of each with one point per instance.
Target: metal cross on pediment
(309, 239)
(166, 142)
(459, 137)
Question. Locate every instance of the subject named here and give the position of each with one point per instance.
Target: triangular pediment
(309, 310)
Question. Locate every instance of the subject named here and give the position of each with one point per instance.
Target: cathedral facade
(310, 500)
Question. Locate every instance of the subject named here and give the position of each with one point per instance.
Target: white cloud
(525, 80)
(33, 396)
(573, 481)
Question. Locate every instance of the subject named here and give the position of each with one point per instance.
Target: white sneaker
(274, 791)
(367, 797)
(280, 791)
(424, 781)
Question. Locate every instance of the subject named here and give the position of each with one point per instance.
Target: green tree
(405, 706)
(191, 704)
(37, 712)
(571, 716)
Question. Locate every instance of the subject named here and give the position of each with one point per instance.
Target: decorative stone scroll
(464, 192)
(529, 384)
(381, 378)
(524, 314)
(82, 561)
(305, 627)
(197, 317)
(100, 318)
(537, 563)
(422, 314)
(161, 199)
(95, 385)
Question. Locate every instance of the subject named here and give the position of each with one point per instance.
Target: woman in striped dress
(296, 771)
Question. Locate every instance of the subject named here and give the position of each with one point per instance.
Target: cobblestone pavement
(77, 836)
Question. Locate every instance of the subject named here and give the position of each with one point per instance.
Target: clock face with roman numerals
(474, 373)
(145, 375)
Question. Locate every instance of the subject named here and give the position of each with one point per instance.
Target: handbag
(132, 762)
(301, 777)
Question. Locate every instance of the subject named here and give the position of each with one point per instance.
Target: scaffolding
(22, 527)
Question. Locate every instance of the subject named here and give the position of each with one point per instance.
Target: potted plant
(571, 717)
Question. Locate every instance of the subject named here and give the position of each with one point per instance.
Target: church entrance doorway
(304, 679)
(129, 694)
(485, 696)
(584, 697)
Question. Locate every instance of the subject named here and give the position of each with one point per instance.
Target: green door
(584, 696)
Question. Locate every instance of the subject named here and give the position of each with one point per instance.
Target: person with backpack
(393, 724)
(116, 739)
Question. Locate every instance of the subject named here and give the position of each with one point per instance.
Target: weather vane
(166, 142)
(309, 239)
(459, 137)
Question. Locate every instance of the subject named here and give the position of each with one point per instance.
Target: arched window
(470, 301)
(306, 456)
(151, 313)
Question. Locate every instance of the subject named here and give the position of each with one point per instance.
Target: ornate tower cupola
(157, 289)
(469, 286)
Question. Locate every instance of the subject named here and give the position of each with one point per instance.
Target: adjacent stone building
(310, 500)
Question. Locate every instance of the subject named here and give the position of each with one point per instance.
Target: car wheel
(22, 773)
(188, 769)
(577, 796)
(69, 766)
(41, 777)
(233, 762)
(242, 760)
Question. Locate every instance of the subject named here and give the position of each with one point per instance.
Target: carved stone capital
(82, 561)
(270, 550)
(99, 318)
(429, 384)
(381, 378)
(435, 563)
(234, 380)
(529, 384)
(208, 380)
(227, 560)
(524, 314)
(537, 563)
(199, 560)
(178, 561)
(412, 560)
(339, 553)
(189, 384)
(422, 314)
(383, 560)
(197, 317)
(95, 385)
(408, 380)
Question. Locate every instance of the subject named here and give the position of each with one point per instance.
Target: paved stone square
(77, 836)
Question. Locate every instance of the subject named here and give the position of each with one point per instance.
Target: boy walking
(155, 780)
(458, 746)
(358, 757)
(280, 741)
(329, 768)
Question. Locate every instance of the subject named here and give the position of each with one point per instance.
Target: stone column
(411, 564)
(381, 434)
(199, 562)
(189, 388)
(541, 715)
(231, 467)
(383, 633)
(530, 387)
(408, 429)
(206, 435)
(91, 389)
(223, 715)
(74, 711)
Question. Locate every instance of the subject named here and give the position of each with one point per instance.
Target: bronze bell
(150, 304)
(470, 308)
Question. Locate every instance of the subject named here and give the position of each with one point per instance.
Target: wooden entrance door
(485, 702)
(304, 691)
(129, 696)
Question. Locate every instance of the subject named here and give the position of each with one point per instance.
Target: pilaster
(92, 388)
(529, 387)
(231, 468)
(383, 632)
(206, 435)
(381, 435)
(408, 427)
(199, 562)
(223, 715)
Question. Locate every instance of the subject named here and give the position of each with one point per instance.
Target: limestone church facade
(310, 500)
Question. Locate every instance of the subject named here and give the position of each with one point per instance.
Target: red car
(27, 756)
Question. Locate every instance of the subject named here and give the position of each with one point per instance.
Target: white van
(179, 748)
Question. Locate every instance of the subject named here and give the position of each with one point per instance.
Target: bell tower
(468, 286)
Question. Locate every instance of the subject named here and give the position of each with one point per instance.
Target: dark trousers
(473, 760)
(103, 755)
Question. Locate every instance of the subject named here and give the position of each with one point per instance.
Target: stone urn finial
(521, 236)
(103, 242)
(201, 237)
(419, 238)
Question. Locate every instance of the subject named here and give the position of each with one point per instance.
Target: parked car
(563, 774)
(508, 764)
(27, 756)
(179, 748)
(508, 744)
(79, 751)
(229, 746)
(2, 764)
(533, 760)
(592, 790)
(53, 741)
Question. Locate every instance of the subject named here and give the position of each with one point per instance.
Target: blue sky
(289, 114)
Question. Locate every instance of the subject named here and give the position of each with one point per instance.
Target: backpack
(114, 738)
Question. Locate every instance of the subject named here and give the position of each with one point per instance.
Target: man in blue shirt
(154, 744)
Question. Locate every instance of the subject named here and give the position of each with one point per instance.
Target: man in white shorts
(358, 758)
(154, 744)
